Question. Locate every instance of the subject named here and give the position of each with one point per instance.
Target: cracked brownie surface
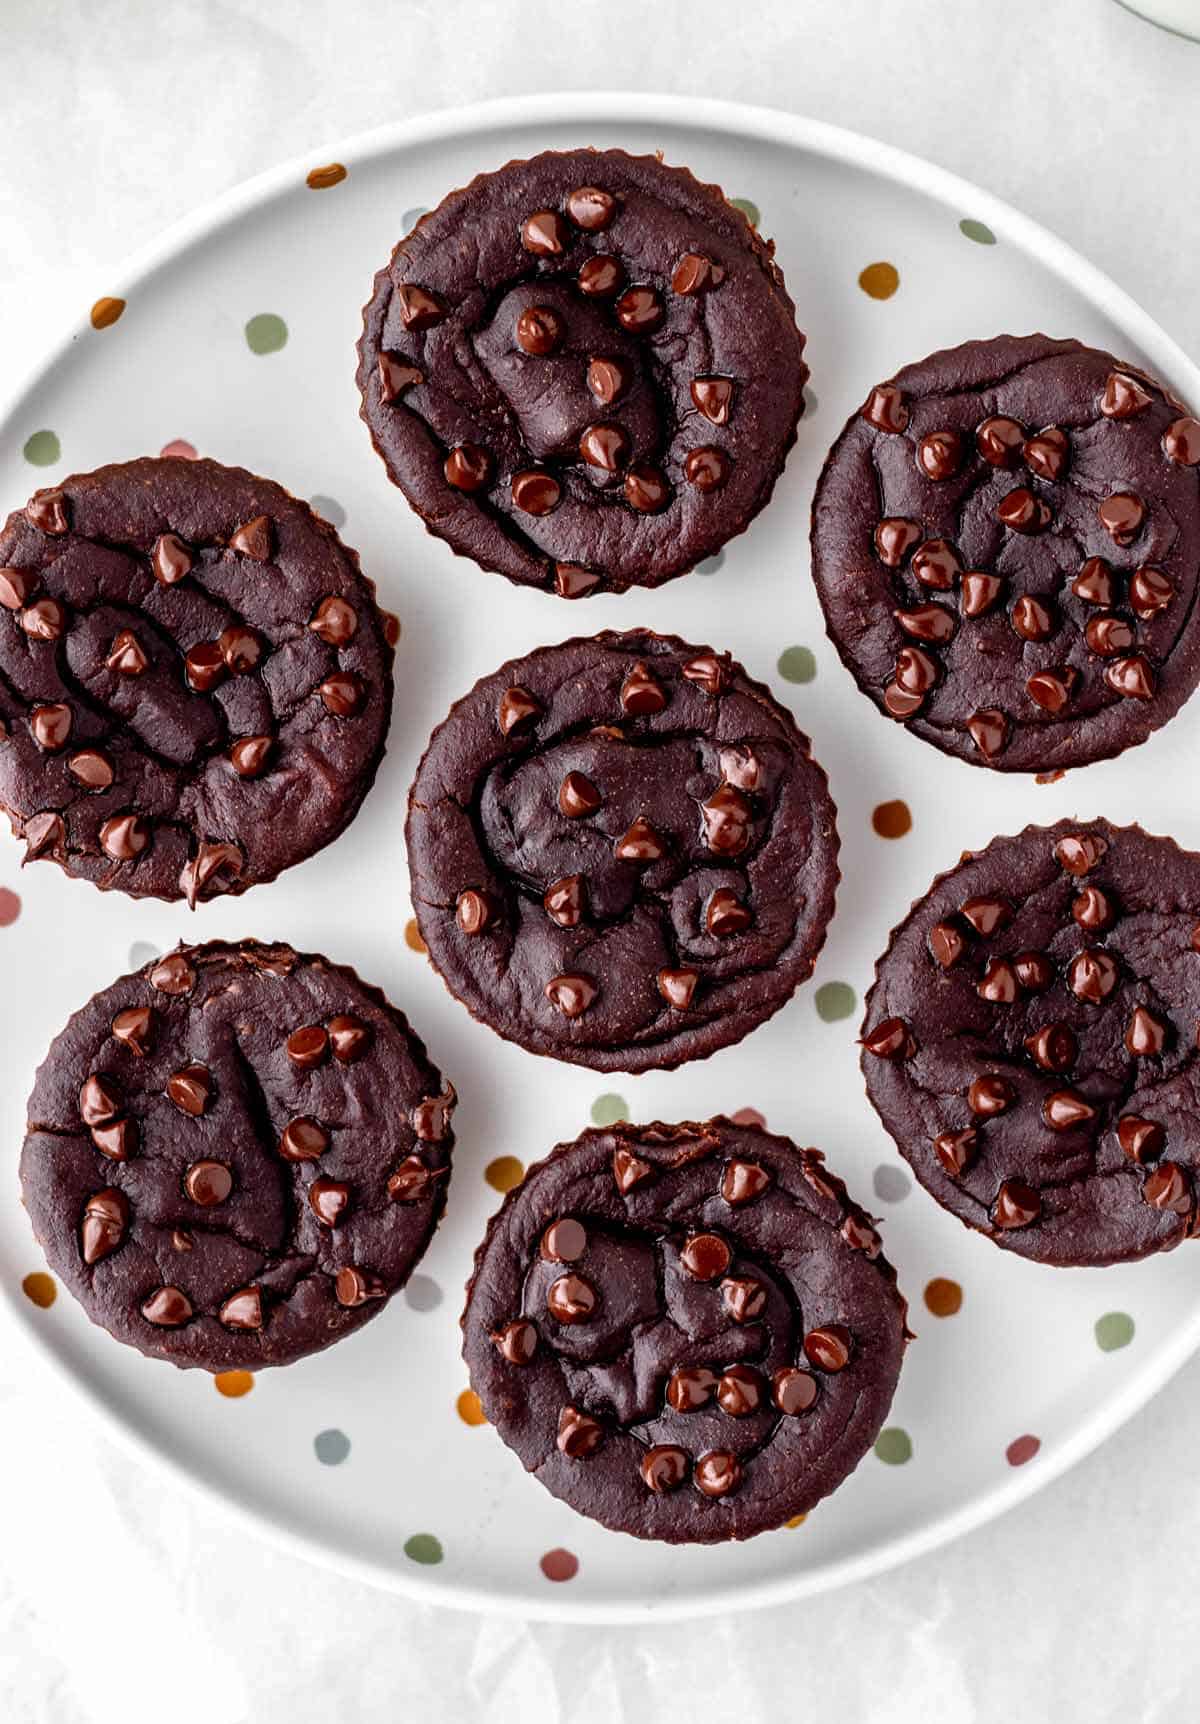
(686, 1331)
(583, 371)
(622, 851)
(1006, 544)
(236, 1155)
(1031, 1042)
(194, 682)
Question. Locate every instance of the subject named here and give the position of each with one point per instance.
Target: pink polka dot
(185, 451)
(10, 907)
(749, 1116)
(559, 1565)
(1022, 1449)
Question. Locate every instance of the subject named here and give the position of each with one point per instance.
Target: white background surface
(120, 1598)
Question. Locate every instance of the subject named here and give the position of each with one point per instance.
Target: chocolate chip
(517, 706)
(535, 492)
(743, 1181)
(605, 446)
(727, 816)
(563, 1241)
(1047, 453)
(124, 837)
(173, 975)
(641, 843)
(998, 984)
(134, 1028)
(118, 1140)
(167, 1308)
(690, 1387)
(51, 726)
(726, 914)
(570, 1299)
(979, 592)
(1064, 1109)
(578, 1435)
(1022, 511)
(894, 538)
(900, 703)
(928, 623)
(1032, 620)
(828, 1348)
(419, 309)
(989, 731)
(572, 994)
(717, 1473)
(396, 378)
(916, 672)
(572, 582)
(250, 754)
(539, 330)
(308, 1047)
(884, 408)
(601, 276)
(44, 835)
(629, 1170)
(1149, 592)
(646, 490)
(1145, 1035)
(207, 1182)
(956, 1150)
(741, 766)
(793, 1391)
(591, 209)
(303, 1139)
(1109, 635)
(125, 656)
(545, 234)
(241, 649)
(664, 1467)
(474, 911)
(47, 511)
(1034, 970)
(989, 1095)
(413, 1180)
(253, 539)
(353, 1287)
(695, 273)
(104, 1225)
(1052, 1048)
(708, 672)
(563, 901)
(1094, 583)
(191, 1088)
(743, 1298)
(1142, 1140)
(641, 692)
(1123, 396)
(1092, 975)
(1131, 677)
(204, 666)
(705, 1256)
(940, 454)
(1092, 909)
(639, 310)
(243, 1309)
(342, 693)
(713, 396)
(329, 1199)
(1121, 516)
(1052, 689)
(1168, 1187)
(1000, 441)
(334, 620)
(1181, 442)
(467, 467)
(740, 1391)
(707, 469)
(937, 564)
(1016, 1205)
(577, 796)
(216, 865)
(16, 585)
(606, 379)
(431, 1117)
(1080, 852)
(516, 1342)
(891, 1039)
(946, 944)
(44, 620)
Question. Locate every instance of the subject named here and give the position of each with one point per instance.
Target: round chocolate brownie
(686, 1332)
(622, 852)
(194, 682)
(583, 371)
(1006, 543)
(1030, 1041)
(236, 1155)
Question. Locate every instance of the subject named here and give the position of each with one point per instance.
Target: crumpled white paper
(124, 1600)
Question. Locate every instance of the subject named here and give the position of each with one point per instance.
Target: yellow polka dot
(40, 1289)
(412, 936)
(879, 280)
(234, 1383)
(105, 312)
(320, 179)
(503, 1173)
(796, 1520)
(469, 1409)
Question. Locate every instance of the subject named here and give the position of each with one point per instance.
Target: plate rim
(852, 149)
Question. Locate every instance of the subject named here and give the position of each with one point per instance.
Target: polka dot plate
(235, 338)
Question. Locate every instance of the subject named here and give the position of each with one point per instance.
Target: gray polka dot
(142, 952)
(711, 564)
(423, 1293)
(811, 402)
(411, 217)
(332, 1447)
(330, 509)
(892, 1184)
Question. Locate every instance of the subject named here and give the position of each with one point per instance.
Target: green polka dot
(835, 1000)
(608, 1109)
(1113, 1330)
(748, 208)
(894, 1446)
(42, 449)
(977, 231)
(797, 664)
(266, 333)
(423, 1547)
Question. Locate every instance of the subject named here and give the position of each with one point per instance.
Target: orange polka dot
(234, 1383)
(1049, 777)
(892, 819)
(796, 1520)
(320, 179)
(10, 907)
(412, 936)
(469, 1409)
(504, 1173)
(391, 627)
(40, 1289)
(944, 1298)
(879, 280)
(105, 312)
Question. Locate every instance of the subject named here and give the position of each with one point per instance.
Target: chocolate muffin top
(1006, 543)
(622, 851)
(194, 682)
(1030, 1041)
(583, 371)
(686, 1332)
(236, 1155)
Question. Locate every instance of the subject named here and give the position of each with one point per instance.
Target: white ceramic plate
(360, 1457)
